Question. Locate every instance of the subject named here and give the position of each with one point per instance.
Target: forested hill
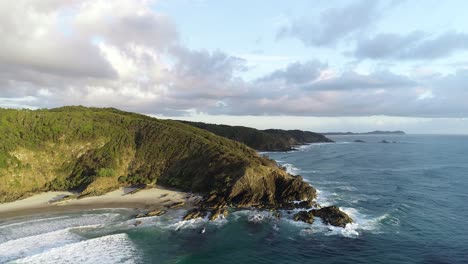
(96, 150)
(263, 140)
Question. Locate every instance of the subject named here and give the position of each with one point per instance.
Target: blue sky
(249, 29)
(352, 65)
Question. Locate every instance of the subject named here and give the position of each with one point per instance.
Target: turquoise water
(409, 200)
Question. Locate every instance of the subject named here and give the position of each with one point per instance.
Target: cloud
(334, 24)
(351, 80)
(350, 94)
(296, 73)
(125, 54)
(124, 22)
(203, 64)
(416, 45)
(34, 41)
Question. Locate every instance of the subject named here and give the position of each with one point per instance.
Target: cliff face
(263, 140)
(94, 151)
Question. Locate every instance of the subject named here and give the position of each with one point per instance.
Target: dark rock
(137, 189)
(304, 216)
(359, 141)
(194, 214)
(137, 223)
(384, 141)
(175, 205)
(275, 213)
(333, 216)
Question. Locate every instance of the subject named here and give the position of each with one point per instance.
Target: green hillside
(263, 140)
(94, 150)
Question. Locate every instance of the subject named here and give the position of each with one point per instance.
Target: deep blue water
(408, 198)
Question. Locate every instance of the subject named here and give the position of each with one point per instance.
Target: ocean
(408, 199)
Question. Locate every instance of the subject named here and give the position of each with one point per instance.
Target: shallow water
(408, 200)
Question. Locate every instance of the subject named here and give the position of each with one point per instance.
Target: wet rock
(333, 216)
(276, 215)
(216, 213)
(294, 189)
(384, 141)
(306, 204)
(175, 205)
(151, 213)
(137, 223)
(359, 141)
(140, 215)
(156, 213)
(304, 216)
(194, 214)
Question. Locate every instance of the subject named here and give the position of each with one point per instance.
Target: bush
(105, 172)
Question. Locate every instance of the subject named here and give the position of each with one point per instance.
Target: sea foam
(31, 227)
(116, 248)
(31, 245)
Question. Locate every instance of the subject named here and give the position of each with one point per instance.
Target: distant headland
(376, 132)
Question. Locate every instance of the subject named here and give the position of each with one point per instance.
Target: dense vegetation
(263, 140)
(95, 150)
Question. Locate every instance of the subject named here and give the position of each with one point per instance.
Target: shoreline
(146, 199)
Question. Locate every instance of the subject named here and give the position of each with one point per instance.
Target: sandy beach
(150, 199)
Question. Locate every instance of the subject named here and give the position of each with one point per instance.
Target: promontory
(93, 151)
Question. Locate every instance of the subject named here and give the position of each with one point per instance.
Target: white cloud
(426, 95)
(125, 54)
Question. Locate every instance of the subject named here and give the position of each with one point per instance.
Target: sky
(354, 65)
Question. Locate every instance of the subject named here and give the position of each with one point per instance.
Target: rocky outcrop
(220, 212)
(331, 215)
(194, 214)
(270, 189)
(304, 216)
(175, 205)
(156, 213)
(151, 213)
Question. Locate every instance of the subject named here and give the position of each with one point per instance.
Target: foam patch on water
(254, 216)
(14, 223)
(26, 228)
(306, 147)
(189, 224)
(365, 222)
(116, 248)
(291, 169)
(325, 198)
(362, 223)
(346, 188)
(31, 245)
